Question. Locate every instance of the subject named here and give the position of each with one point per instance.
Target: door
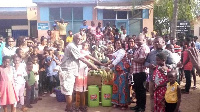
(124, 23)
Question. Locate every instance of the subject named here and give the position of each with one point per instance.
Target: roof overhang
(125, 8)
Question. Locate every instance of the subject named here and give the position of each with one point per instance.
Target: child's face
(171, 48)
(159, 61)
(35, 51)
(29, 66)
(171, 77)
(59, 47)
(70, 33)
(17, 60)
(6, 63)
(35, 60)
(51, 52)
(21, 53)
(85, 46)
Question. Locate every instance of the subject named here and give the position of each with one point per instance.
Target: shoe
(134, 108)
(53, 95)
(140, 110)
(29, 106)
(184, 92)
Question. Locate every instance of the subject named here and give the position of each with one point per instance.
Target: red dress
(159, 93)
(7, 87)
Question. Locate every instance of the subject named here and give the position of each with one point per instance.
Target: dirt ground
(190, 103)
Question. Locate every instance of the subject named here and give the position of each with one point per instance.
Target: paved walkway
(190, 103)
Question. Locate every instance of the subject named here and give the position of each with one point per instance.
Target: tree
(174, 20)
(163, 13)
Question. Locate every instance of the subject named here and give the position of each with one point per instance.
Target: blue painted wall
(100, 14)
(44, 14)
(145, 13)
(87, 13)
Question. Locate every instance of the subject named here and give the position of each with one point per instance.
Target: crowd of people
(61, 59)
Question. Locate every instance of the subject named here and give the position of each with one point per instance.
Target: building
(118, 12)
(17, 19)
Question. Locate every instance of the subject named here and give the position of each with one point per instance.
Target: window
(121, 14)
(66, 13)
(135, 14)
(54, 14)
(73, 15)
(78, 13)
(109, 14)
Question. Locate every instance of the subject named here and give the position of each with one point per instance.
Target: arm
(84, 60)
(179, 99)
(140, 60)
(120, 54)
(94, 59)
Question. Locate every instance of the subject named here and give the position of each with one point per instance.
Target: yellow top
(171, 93)
(69, 39)
(62, 28)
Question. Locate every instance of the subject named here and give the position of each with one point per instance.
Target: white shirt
(8, 51)
(119, 54)
(19, 74)
(123, 36)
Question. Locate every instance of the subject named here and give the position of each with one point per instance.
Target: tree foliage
(163, 12)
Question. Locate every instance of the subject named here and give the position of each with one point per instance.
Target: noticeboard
(43, 26)
(183, 27)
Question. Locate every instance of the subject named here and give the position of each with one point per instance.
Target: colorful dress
(159, 93)
(7, 87)
(81, 81)
(121, 93)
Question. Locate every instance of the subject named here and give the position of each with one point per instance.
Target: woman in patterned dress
(121, 92)
(160, 81)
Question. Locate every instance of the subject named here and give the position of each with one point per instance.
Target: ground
(190, 103)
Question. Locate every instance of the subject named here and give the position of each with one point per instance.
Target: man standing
(139, 72)
(62, 25)
(159, 43)
(84, 26)
(69, 69)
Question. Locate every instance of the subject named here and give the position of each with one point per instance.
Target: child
(160, 79)
(173, 93)
(19, 75)
(7, 88)
(30, 82)
(34, 60)
(69, 39)
(51, 61)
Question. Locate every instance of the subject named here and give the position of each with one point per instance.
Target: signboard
(183, 27)
(43, 26)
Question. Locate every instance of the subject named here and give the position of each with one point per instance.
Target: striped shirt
(140, 53)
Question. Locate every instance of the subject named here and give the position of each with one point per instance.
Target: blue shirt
(2, 45)
(51, 67)
(84, 27)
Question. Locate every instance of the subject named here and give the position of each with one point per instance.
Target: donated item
(94, 80)
(93, 96)
(59, 96)
(106, 95)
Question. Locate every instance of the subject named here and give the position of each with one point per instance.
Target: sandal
(115, 106)
(124, 107)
